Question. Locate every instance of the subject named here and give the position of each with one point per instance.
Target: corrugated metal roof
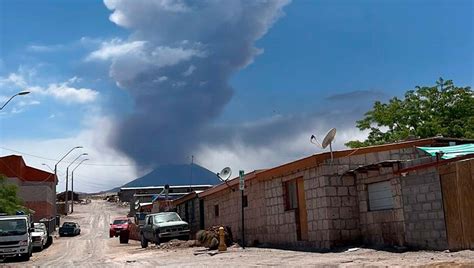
(448, 152)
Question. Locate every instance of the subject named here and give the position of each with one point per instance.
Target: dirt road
(93, 248)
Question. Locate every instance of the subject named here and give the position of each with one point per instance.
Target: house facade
(363, 195)
(37, 188)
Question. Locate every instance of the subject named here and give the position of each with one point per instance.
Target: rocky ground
(94, 248)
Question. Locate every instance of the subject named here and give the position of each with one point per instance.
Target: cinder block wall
(229, 203)
(383, 227)
(280, 224)
(332, 207)
(42, 209)
(423, 206)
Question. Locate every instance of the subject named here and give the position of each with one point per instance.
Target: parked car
(39, 236)
(163, 226)
(69, 228)
(119, 225)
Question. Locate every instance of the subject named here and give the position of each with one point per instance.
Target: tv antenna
(224, 175)
(328, 139)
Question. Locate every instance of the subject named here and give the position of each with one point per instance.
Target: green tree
(10, 203)
(443, 109)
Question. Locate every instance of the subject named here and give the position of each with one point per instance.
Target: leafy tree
(9, 201)
(443, 109)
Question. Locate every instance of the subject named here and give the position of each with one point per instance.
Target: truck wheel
(25, 257)
(143, 242)
(157, 239)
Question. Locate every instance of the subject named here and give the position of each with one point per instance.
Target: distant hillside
(174, 175)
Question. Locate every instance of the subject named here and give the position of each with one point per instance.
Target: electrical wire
(56, 160)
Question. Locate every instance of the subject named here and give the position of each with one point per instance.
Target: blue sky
(355, 51)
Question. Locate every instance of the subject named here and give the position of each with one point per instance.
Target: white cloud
(115, 48)
(13, 79)
(189, 71)
(118, 17)
(89, 178)
(159, 56)
(64, 91)
(45, 48)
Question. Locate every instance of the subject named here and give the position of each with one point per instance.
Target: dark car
(69, 228)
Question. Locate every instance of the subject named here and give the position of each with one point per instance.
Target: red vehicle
(119, 225)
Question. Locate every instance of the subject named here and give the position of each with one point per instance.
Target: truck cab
(15, 237)
(163, 226)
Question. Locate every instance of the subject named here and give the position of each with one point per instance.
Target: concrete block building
(37, 188)
(387, 195)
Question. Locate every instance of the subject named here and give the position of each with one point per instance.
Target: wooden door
(457, 181)
(302, 213)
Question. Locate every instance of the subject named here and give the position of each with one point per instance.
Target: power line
(51, 159)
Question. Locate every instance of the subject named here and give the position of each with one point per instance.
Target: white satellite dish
(137, 204)
(328, 139)
(225, 174)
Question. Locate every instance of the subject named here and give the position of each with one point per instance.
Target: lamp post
(56, 170)
(17, 94)
(67, 180)
(72, 182)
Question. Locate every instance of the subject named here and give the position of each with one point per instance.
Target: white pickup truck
(15, 237)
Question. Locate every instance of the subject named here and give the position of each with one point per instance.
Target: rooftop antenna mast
(191, 181)
(328, 139)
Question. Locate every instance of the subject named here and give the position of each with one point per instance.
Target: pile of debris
(175, 243)
(111, 198)
(209, 238)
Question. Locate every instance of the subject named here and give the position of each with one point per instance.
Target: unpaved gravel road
(93, 248)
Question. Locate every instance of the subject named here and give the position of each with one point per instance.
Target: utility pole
(191, 181)
(67, 180)
(72, 183)
(242, 187)
(56, 171)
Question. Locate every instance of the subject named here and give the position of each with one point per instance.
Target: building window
(380, 196)
(245, 202)
(290, 194)
(216, 210)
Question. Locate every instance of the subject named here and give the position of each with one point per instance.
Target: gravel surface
(94, 248)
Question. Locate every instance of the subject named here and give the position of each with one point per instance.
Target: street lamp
(17, 94)
(56, 173)
(72, 182)
(67, 180)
